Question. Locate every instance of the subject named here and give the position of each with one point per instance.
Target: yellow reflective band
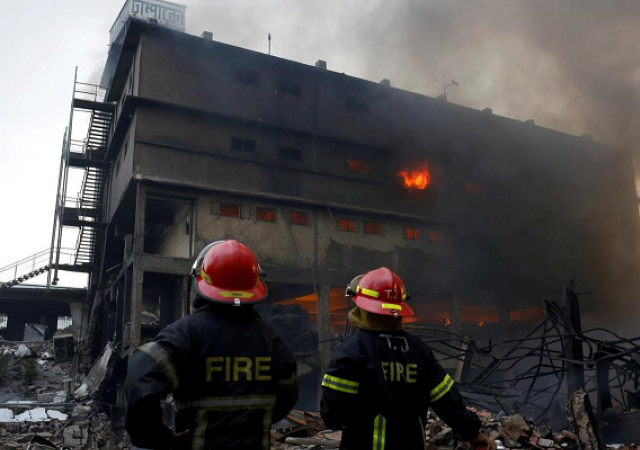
(340, 384)
(379, 432)
(440, 390)
(404, 296)
(240, 294)
(205, 277)
(391, 306)
(162, 358)
(368, 292)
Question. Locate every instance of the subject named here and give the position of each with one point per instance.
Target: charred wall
(523, 209)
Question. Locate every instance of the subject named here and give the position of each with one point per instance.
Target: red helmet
(382, 292)
(228, 272)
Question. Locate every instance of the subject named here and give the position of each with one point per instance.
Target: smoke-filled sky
(572, 65)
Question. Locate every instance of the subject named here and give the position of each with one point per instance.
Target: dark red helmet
(228, 272)
(381, 292)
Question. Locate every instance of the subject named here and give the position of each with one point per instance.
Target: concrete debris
(100, 373)
(22, 351)
(34, 410)
(34, 332)
(583, 421)
(305, 431)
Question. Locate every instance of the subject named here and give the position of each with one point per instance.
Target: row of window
(293, 154)
(63, 322)
(303, 218)
(252, 78)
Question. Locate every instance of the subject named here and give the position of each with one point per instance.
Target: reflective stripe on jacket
(231, 376)
(378, 388)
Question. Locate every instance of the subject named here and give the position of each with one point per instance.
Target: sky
(571, 65)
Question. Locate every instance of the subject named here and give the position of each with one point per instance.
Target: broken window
(266, 214)
(347, 225)
(300, 218)
(356, 166)
(229, 210)
(289, 87)
(290, 154)
(168, 226)
(373, 228)
(243, 145)
(4, 321)
(435, 236)
(245, 77)
(64, 322)
(412, 233)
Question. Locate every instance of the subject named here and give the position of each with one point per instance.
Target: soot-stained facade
(326, 176)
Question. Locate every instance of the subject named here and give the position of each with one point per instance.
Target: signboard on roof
(170, 15)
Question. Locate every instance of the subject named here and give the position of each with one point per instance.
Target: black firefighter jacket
(379, 386)
(231, 376)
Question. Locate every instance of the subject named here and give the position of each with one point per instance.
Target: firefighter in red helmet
(231, 374)
(382, 380)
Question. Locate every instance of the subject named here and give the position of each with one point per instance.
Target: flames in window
(418, 178)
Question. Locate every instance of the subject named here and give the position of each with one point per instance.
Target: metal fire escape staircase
(86, 211)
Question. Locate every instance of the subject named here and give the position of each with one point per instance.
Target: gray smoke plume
(572, 65)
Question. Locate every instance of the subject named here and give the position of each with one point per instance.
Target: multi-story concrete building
(326, 176)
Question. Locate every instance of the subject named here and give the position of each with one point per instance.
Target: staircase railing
(88, 205)
(88, 91)
(31, 266)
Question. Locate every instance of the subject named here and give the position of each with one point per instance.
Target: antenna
(453, 83)
(269, 39)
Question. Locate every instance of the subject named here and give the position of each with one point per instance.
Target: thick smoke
(571, 65)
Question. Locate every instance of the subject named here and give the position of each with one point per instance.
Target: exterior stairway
(90, 200)
(28, 268)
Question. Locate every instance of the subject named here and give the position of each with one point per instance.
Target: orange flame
(447, 322)
(480, 324)
(418, 178)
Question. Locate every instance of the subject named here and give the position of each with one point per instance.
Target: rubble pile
(306, 431)
(38, 409)
(303, 430)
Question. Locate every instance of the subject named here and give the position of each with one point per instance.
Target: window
(64, 322)
(4, 321)
(266, 214)
(229, 210)
(289, 87)
(290, 154)
(245, 77)
(473, 188)
(300, 218)
(373, 228)
(412, 233)
(244, 145)
(357, 104)
(435, 236)
(356, 166)
(348, 225)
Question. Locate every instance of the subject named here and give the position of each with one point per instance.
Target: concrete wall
(176, 229)
(22, 312)
(542, 207)
(121, 170)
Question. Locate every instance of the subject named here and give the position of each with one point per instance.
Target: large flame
(418, 178)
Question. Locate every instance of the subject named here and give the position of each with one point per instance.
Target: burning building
(326, 176)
